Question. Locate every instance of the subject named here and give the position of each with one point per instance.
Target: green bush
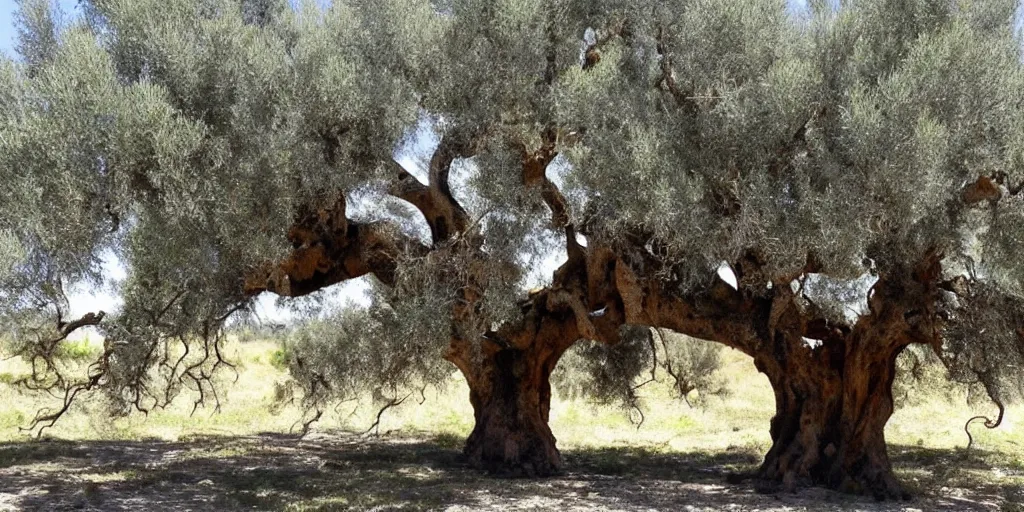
(281, 358)
(78, 351)
(693, 366)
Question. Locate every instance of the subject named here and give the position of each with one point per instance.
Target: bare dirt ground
(348, 472)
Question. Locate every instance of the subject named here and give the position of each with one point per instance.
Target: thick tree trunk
(511, 398)
(832, 404)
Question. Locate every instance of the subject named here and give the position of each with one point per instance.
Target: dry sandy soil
(346, 472)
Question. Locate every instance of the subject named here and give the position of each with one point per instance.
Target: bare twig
(309, 423)
(654, 364)
(989, 423)
(391, 403)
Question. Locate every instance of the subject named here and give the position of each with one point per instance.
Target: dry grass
(677, 457)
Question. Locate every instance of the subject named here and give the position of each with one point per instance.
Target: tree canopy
(226, 148)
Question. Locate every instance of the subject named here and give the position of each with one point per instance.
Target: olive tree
(227, 148)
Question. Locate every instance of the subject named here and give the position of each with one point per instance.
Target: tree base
(877, 481)
(832, 402)
(511, 397)
(506, 453)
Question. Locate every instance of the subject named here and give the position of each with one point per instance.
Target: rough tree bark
(508, 371)
(511, 399)
(511, 395)
(833, 384)
(832, 402)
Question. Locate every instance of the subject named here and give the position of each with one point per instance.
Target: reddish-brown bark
(833, 384)
(832, 401)
(511, 394)
(511, 398)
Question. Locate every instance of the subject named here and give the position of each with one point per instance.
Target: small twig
(642, 417)
(307, 424)
(376, 424)
(654, 356)
(989, 423)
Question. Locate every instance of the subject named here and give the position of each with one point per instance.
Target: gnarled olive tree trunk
(832, 380)
(831, 406)
(833, 389)
(509, 388)
(511, 399)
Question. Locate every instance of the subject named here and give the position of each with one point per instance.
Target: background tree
(648, 141)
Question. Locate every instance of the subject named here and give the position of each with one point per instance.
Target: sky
(8, 35)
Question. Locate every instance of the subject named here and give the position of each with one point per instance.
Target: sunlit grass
(932, 427)
(245, 406)
(102, 478)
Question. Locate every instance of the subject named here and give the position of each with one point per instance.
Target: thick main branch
(443, 213)
(328, 249)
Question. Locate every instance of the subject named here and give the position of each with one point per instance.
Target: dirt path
(345, 472)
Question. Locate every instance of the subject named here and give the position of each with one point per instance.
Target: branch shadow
(349, 472)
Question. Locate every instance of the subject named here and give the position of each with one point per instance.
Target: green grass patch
(281, 357)
(79, 351)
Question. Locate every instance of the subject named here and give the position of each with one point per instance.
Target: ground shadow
(348, 472)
